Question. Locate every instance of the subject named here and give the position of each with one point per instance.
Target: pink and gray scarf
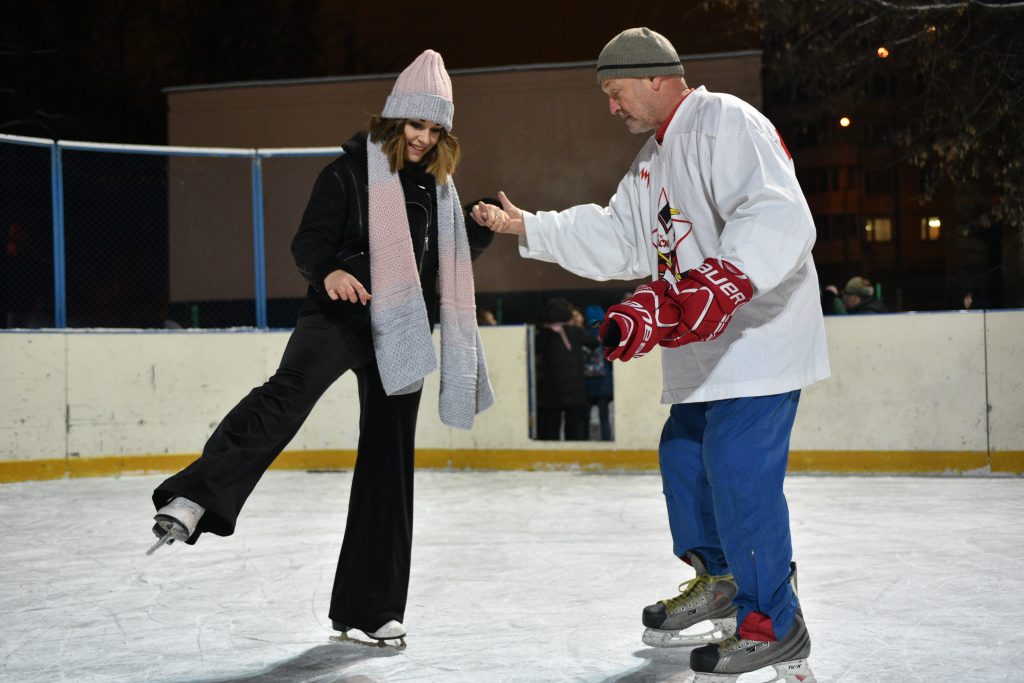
(398, 314)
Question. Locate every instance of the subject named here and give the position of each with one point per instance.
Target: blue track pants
(722, 467)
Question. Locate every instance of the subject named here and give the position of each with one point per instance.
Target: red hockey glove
(635, 326)
(708, 296)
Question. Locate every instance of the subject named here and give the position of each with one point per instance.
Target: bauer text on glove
(708, 296)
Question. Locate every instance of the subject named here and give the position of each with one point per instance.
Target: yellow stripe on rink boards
(887, 462)
(1011, 462)
(825, 462)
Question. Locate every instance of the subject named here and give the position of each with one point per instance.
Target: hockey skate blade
(396, 644)
(701, 633)
(795, 671)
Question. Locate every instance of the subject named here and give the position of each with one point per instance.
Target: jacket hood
(356, 145)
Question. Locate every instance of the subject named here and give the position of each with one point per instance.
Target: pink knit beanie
(422, 91)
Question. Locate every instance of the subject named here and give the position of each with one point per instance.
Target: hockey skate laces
(688, 588)
(733, 643)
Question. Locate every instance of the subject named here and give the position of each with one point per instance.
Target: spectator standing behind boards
(859, 297)
(485, 316)
(712, 213)
(561, 390)
(598, 373)
(831, 301)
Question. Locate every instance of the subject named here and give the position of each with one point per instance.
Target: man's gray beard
(646, 128)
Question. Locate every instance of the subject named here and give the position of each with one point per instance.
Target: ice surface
(516, 576)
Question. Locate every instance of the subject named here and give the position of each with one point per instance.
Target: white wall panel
(899, 382)
(913, 382)
(151, 393)
(32, 388)
(1005, 339)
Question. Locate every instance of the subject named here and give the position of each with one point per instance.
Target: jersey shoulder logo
(645, 175)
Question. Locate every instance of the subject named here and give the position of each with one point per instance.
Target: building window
(931, 229)
(843, 226)
(813, 180)
(878, 181)
(851, 178)
(878, 230)
(821, 227)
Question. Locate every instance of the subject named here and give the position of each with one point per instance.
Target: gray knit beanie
(638, 53)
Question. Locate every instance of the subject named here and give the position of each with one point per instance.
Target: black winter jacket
(334, 232)
(868, 304)
(560, 379)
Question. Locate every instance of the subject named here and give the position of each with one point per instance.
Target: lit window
(878, 230)
(931, 229)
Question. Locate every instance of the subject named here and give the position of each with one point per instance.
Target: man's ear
(656, 82)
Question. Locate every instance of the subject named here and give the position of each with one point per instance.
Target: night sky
(95, 70)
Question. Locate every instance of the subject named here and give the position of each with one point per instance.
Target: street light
(844, 122)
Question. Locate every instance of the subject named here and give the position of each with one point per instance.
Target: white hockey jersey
(721, 183)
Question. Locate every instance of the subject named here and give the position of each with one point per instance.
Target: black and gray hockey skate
(176, 521)
(703, 612)
(391, 634)
(783, 660)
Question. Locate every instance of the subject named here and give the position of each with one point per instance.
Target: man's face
(630, 100)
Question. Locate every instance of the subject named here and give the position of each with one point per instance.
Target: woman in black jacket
(386, 249)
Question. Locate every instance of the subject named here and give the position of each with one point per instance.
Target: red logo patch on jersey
(645, 175)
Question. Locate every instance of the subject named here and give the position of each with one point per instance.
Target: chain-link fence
(26, 227)
(103, 235)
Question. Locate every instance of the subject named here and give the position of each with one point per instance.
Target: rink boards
(925, 392)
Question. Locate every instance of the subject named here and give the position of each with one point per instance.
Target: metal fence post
(60, 309)
(258, 247)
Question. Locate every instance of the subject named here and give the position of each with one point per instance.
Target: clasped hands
(505, 218)
(698, 307)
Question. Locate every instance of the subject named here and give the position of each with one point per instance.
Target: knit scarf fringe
(398, 315)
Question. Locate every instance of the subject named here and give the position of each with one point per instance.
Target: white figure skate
(391, 634)
(176, 521)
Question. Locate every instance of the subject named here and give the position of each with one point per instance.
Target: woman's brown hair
(440, 161)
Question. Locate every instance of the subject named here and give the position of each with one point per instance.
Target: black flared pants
(372, 580)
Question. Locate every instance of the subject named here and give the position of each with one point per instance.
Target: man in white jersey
(712, 212)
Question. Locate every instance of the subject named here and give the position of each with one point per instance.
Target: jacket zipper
(426, 230)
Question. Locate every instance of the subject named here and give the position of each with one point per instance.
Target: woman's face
(421, 136)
